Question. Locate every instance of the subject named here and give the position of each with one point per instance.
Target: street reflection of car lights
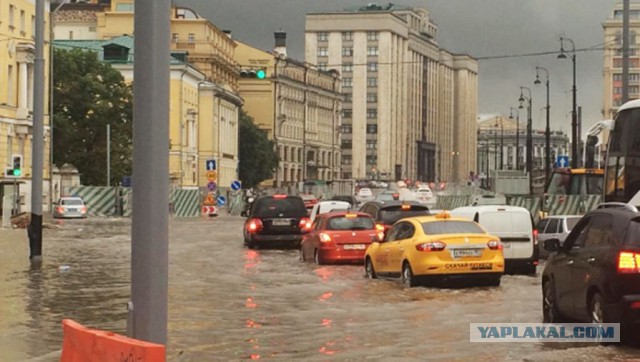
(252, 259)
(250, 303)
(326, 351)
(326, 322)
(254, 356)
(326, 296)
(324, 273)
(253, 324)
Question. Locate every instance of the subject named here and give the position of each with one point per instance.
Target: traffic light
(15, 170)
(260, 73)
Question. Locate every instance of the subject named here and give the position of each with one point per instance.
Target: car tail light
(254, 225)
(535, 237)
(395, 196)
(305, 224)
(380, 235)
(279, 196)
(431, 246)
(380, 227)
(628, 262)
(635, 305)
(83, 210)
(60, 209)
(494, 245)
(325, 238)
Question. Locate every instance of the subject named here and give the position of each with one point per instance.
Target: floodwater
(228, 303)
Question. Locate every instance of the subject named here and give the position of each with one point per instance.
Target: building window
(346, 128)
(347, 35)
(372, 35)
(633, 89)
(346, 144)
(617, 90)
(372, 160)
(347, 97)
(11, 14)
(372, 82)
(346, 159)
(372, 113)
(372, 128)
(22, 22)
(322, 66)
(347, 51)
(322, 52)
(347, 82)
(617, 76)
(33, 26)
(347, 67)
(322, 36)
(372, 97)
(372, 51)
(372, 144)
(372, 66)
(11, 84)
(192, 38)
(634, 77)
(124, 8)
(175, 37)
(347, 113)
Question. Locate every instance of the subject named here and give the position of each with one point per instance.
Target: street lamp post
(574, 112)
(517, 134)
(501, 144)
(529, 161)
(547, 133)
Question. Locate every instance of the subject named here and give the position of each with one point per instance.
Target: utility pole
(150, 220)
(108, 155)
(625, 51)
(37, 158)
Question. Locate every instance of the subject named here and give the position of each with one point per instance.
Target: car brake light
(635, 305)
(380, 227)
(325, 238)
(535, 237)
(350, 216)
(60, 209)
(395, 196)
(305, 223)
(84, 209)
(494, 245)
(431, 246)
(406, 207)
(628, 262)
(279, 196)
(254, 225)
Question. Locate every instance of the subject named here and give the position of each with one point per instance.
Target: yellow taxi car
(425, 249)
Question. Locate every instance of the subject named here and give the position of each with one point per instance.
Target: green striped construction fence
(531, 203)
(571, 204)
(118, 201)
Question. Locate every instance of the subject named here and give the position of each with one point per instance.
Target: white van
(514, 226)
(328, 206)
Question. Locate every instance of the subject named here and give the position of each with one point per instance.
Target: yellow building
(299, 106)
(17, 53)
(204, 103)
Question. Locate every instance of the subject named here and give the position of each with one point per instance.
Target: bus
(622, 170)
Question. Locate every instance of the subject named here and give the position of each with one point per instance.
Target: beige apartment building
(409, 106)
(204, 82)
(298, 105)
(17, 55)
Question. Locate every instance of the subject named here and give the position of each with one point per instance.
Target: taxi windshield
(451, 227)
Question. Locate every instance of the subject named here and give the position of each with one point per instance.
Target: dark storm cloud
(481, 28)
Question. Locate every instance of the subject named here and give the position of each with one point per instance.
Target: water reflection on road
(230, 303)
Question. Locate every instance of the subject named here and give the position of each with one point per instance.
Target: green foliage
(88, 95)
(258, 159)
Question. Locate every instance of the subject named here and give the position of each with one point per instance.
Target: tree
(88, 96)
(258, 159)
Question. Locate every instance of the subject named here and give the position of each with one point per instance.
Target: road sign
(212, 176)
(221, 200)
(236, 185)
(211, 186)
(210, 199)
(562, 161)
(209, 210)
(210, 165)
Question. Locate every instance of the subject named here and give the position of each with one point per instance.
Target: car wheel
(408, 279)
(596, 309)
(370, 273)
(550, 312)
(316, 257)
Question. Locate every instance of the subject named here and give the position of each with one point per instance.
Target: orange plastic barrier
(81, 344)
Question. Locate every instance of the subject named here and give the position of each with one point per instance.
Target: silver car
(555, 227)
(70, 207)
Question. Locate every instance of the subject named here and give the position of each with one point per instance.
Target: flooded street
(230, 303)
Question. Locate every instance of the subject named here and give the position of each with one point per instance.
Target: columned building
(17, 54)
(298, 105)
(403, 94)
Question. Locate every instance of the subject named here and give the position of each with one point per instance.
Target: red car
(309, 201)
(339, 237)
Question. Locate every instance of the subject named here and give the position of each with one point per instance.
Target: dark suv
(595, 275)
(386, 213)
(278, 220)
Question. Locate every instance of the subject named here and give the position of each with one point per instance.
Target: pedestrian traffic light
(16, 166)
(260, 73)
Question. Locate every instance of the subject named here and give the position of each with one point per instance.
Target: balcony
(187, 46)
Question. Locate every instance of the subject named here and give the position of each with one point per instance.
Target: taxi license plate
(459, 253)
(354, 247)
(281, 222)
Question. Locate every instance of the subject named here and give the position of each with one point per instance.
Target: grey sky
(481, 28)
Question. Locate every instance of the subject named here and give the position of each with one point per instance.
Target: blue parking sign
(236, 185)
(221, 200)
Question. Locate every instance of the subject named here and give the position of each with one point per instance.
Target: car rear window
(350, 223)
(571, 222)
(633, 234)
(451, 227)
(71, 202)
(270, 207)
(391, 214)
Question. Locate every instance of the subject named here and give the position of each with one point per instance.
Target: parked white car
(70, 207)
(424, 195)
(323, 207)
(364, 194)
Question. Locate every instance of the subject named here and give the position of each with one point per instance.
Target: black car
(386, 213)
(595, 275)
(279, 220)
